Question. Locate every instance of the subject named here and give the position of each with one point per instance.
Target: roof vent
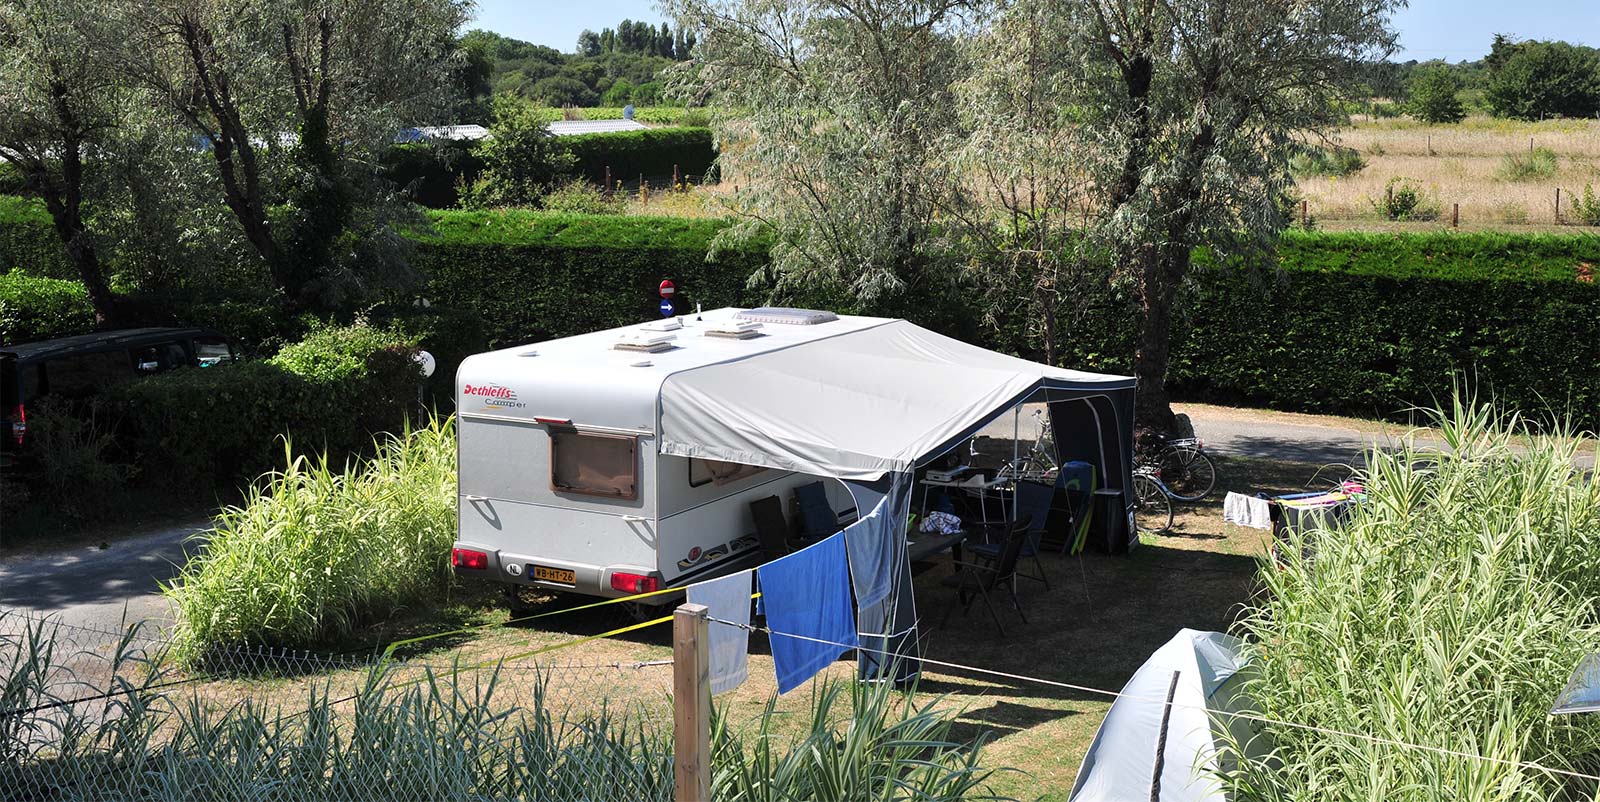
(784, 315)
(734, 330)
(648, 342)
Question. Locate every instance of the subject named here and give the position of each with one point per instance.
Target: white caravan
(624, 461)
(561, 483)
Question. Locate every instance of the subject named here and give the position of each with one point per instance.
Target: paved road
(100, 588)
(1230, 433)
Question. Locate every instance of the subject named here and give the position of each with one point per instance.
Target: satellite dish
(425, 361)
(627, 112)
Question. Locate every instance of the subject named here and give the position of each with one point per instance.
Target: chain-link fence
(90, 713)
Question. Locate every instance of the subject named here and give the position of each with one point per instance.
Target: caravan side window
(702, 471)
(594, 464)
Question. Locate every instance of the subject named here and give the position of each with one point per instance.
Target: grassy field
(1470, 163)
(1099, 619)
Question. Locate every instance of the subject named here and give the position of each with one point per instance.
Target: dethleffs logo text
(494, 395)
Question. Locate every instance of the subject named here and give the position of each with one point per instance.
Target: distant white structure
(435, 133)
(575, 127)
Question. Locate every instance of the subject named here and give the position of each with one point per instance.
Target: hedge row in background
(432, 173)
(652, 153)
(1365, 324)
(35, 308)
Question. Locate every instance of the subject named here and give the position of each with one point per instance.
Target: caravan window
(702, 471)
(594, 464)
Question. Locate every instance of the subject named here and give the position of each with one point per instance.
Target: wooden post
(674, 178)
(1558, 206)
(1455, 215)
(691, 703)
(1388, 201)
(1303, 216)
(644, 191)
(608, 180)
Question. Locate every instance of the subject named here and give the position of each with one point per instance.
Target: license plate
(561, 575)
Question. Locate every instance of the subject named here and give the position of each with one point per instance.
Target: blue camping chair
(817, 518)
(1032, 501)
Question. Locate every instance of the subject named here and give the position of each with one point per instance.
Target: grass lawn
(1098, 621)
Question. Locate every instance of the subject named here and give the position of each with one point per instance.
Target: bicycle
(1039, 464)
(1152, 501)
(1184, 469)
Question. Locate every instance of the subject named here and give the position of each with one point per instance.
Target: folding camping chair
(772, 527)
(973, 581)
(817, 518)
(1032, 501)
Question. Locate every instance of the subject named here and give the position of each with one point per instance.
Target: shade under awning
(855, 406)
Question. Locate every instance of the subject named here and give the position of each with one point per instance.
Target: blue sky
(1449, 29)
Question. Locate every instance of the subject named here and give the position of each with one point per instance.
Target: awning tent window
(1582, 694)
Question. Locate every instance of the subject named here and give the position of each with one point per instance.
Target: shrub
(196, 428)
(429, 173)
(1586, 209)
(1536, 164)
(315, 551)
(1433, 96)
(33, 308)
(651, 153)
(521, 160)
(28, 240)
(75, 447)
(1405, 199)
(1337, 162)
(11, 181)
(1448, 613)
(581, 197)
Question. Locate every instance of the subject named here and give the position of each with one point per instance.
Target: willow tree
(294, 100)
(845, 116)
(1186, 112)
(60, 104)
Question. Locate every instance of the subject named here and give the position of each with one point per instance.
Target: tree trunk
(82, 254)
(1152, 407)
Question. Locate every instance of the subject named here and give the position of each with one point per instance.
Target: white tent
(1149, 750)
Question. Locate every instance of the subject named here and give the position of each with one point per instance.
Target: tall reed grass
(442, 736)
(314, 552)
(1448, 613)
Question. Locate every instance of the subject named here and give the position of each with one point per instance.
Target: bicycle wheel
(1152, 507)
(1188, 473)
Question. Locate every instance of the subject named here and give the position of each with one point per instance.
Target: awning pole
(1016, 468)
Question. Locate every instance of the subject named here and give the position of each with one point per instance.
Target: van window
(159, 357)
(211, 351)
(702, 471)
(87, 373)
(594, 464)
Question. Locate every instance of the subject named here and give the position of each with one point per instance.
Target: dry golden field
(1461, 164)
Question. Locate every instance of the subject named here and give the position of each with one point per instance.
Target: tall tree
(60, 102)
(293, 98)
(1433, 99)
(1187, 111)
(588, 43)
(847, 113)
(1533, 80)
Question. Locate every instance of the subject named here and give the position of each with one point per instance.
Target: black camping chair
(1032, 500)
(973, 581)
(817, 518)
(771, 526)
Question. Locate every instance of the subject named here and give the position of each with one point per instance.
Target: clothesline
(1232, 714)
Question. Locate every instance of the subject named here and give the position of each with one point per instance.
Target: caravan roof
(852, 397)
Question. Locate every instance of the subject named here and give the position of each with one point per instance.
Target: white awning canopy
(854, 406)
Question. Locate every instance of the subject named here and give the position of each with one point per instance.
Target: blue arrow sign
(667, 308)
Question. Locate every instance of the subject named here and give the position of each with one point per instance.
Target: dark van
(81, 366)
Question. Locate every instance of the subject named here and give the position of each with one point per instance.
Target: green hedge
(34, 308)
(651, 153)
(430, 172)
(201, 427)
(533, 276)
(28, 239)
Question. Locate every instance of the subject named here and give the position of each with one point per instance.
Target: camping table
(976, 484)
(927, 545)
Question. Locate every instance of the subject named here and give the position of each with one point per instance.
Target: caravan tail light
(467, 558)
(19, 424)
(633, 583)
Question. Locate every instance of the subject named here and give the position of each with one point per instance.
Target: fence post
(608, 180)
(1455, 215)
(674, 178)
(1388, 201)
(1558, 206)
(691, 703)
(1303, 215)
(644, 191)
